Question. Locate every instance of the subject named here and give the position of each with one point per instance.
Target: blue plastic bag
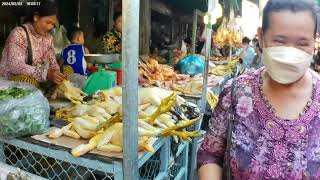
(191, 65)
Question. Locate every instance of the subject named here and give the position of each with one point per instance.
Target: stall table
(5, 170)
(55, 162)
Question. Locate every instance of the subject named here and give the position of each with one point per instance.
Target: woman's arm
(16, 52)
(212, 150)
(54, 73)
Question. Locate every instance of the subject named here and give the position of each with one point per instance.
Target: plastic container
(116, 65)
(94, 69)
(100, 80)
(119, 75)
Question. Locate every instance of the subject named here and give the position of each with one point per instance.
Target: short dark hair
(73, 33)
(153, 48)
(116, 16)
(246, 40)
(45, 8)
(291, 5)
(255, 40)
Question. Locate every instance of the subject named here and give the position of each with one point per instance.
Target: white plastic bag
(78, 80)
(27, 115)
(184, 48)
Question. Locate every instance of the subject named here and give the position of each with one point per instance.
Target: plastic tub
(119, 75)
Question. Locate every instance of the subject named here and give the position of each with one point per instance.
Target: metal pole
(172, 30)
(111, 12)
(194, 31)
(194, 147)
(196, 13)
(211, 6)
(130, 58)
(78, 13)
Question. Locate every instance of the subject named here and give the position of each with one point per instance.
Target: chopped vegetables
(24, 111)
(13, 93)
(23, 121)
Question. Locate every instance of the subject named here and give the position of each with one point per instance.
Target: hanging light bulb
(206, 19)
(212, 17)
(213, 20)
(218, 11)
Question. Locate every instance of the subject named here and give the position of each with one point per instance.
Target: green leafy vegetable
(13, 93)
(23, 121)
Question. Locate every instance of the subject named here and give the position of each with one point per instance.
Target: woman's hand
(210, 172)
(56, 76)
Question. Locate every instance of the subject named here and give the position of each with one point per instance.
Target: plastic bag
(78, 80)
(184, 48)
(27, 115)
(191, 65)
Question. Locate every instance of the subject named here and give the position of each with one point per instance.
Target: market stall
(51, 150)
(48, 154)
(9, 172)
(52, 161)
(95, 134)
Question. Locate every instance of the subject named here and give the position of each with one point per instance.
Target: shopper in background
(257, 61)
(246, 53)
(275, 129)
(29, 54)
(111, 42)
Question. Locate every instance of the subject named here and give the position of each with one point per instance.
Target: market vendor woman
(29, 55)
(111, 41)
(266, 125)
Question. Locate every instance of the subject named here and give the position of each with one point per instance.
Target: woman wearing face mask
(275, 110)
(29, 54)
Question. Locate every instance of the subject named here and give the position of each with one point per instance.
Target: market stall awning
(187, 6)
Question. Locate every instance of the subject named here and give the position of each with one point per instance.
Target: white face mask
(284, 64)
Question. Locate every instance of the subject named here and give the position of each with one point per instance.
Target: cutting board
(71, 143)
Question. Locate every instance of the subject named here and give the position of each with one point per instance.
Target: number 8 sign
(71, 57)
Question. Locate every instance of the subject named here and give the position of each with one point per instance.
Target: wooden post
(145, 26)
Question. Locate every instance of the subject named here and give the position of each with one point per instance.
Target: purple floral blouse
(264, 146)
